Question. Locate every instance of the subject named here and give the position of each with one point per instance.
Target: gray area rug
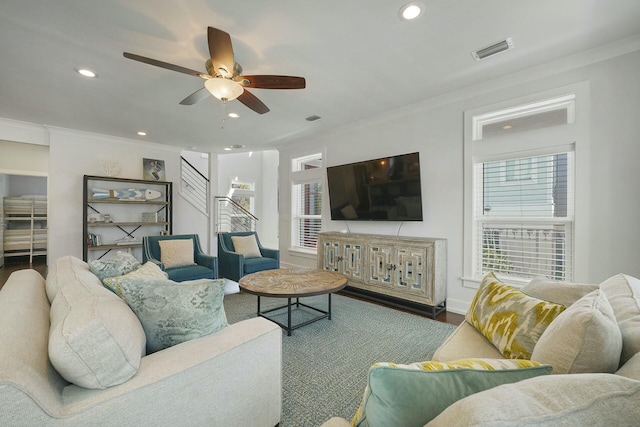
(325, 363)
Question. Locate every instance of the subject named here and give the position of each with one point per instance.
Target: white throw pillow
(246, 245)
(176, 253)
(623, 293)
(584, 338)
(95, 340)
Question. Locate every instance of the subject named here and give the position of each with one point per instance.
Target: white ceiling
(359, 59)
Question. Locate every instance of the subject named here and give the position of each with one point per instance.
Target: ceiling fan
(224, 78)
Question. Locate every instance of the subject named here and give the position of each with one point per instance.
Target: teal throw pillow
(172, 312)
(119, 264)
(148, 271)
(412, 395)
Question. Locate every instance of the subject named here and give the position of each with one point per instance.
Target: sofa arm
(208, 261)
(205, 381)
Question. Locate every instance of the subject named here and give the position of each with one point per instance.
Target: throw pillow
(119, 264)
(246, 245)
(176, 252)
(623, 293)
(172, 312)
(559, 292)
(412, 395)
(584, 338)
(149, 270)
(511, 320)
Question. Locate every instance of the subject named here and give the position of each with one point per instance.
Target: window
(520, 185)
(243, 193)
(306, 202)
(523, 227)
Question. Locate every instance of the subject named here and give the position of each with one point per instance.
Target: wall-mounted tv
(385, 189)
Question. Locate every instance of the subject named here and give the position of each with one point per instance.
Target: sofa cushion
(623, 293)
(95, 340)
(148, 270)
(246, 245)
(552, 400)
(466, 342)
(119, 264)
(559, 292)
(584, 338)
(172, 312)
(176, 252)
(631, 369)
(412, 395)
(512, 320)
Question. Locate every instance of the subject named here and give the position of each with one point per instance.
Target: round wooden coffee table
(290, 284)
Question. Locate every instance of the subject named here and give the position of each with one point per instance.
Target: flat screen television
(385, 189)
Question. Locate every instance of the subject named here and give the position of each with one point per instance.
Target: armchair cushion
(172, 313)
(199, 265)
(247, 246)
(176, 253)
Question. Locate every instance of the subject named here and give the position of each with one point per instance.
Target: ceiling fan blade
(166, 65)
(251, 101)
(221, 51)
(195, 97)
(272, 82)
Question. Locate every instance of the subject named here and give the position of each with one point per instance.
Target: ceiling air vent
(313, 118)
(495, 48)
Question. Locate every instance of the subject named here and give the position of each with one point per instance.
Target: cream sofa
(229, 378)
(568, 399)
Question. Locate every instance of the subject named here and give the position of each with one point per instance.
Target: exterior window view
(524, 217)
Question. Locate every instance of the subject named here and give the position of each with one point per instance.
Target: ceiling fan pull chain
(224, 102)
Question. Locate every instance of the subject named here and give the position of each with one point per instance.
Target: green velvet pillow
(412, 395)
(119, 264)
(510, 319)
(172, 312)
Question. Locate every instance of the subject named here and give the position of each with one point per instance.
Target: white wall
(261, 168)
(73, 154)
(435, 129)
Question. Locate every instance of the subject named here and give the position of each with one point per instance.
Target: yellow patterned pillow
(412, 395)
(511, 320)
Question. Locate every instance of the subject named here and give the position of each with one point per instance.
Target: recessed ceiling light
(507, 127)
(86, 72)
(227, 148)
(142, 133)
(233, 115)
(411, 10)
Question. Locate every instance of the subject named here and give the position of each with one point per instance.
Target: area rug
(325, 363)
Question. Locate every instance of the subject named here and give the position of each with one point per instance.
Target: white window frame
(573, 136)
(299, 176)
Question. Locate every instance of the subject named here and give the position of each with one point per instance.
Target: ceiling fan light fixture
(224, 89)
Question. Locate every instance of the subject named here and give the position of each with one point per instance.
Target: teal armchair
(234, 265)
(206, 266)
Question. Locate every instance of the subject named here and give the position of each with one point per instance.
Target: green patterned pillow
(412, 395)
(149, 270)
(511, 320)
(172, 312)
(119, 264)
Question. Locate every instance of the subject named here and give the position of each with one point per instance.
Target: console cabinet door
(411, 271)
(343, 257)
(381, 264)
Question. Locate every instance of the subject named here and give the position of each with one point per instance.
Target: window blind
(307, 218)
(523, 217)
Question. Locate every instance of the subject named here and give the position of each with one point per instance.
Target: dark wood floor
(9, 267)
(41, 267)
